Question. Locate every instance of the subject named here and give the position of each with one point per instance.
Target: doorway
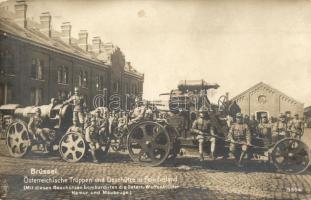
(259, 113)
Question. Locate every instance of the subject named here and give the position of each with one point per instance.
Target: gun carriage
(152, 142)
(19, 141)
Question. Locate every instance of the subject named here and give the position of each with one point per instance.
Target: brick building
(39, 63)
(262, 98)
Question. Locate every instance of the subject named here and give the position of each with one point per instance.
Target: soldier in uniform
(92, 138)
(253, 126)
(38, 132)
(239, 134)
(102, 124)
(265, 130)
(79, 105)
(297, 127)
(280, 129)
(138, 112)
(204, 130)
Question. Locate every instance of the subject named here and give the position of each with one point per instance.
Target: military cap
(239, 115)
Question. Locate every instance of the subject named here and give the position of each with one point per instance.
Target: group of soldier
(242, 131)
(97, 127)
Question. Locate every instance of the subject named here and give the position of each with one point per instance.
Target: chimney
(20, 13)
(82, 43)
(45, 23)
(96, 45)
(66, 32)
(130, 66)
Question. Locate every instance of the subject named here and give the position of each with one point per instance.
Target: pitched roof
(262, 84)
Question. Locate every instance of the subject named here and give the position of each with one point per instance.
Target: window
(7, 65)
(83, 78)
(37, 67)
(84, 83)
(62, 95)
(6, 94)
(36, 95)
(99, 82)
(62, 74)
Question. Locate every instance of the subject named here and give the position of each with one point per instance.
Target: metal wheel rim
(17, 139)
(152, 145)
(72, 147)
(291, 156)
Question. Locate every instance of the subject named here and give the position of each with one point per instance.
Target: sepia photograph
(155, 99)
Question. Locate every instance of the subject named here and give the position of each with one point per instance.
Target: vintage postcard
(154, 99)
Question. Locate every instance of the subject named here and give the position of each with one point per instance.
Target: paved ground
(190, 179)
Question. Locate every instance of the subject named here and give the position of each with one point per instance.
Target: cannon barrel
(195, 85)
(27, 112)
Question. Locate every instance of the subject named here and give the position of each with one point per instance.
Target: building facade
(262, 98)
(39, 63)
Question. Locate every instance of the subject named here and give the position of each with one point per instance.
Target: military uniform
(38, 132)
(265, 131)
(78, 106)
(92, 137)
(253, 126)
(204, 131)
(239, 134)
(296, 128)
(280, 130)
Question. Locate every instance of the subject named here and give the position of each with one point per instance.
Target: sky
(233, 43)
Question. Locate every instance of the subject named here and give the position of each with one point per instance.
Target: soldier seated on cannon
(92, 137)
(280, 129)
(296, 127)
(38, 133)
(202, 126)
(103, 124)
(265, 130)
(239, 134)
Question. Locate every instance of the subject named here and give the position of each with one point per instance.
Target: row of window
(7, 65)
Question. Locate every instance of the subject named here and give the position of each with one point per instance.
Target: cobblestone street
(211, 180)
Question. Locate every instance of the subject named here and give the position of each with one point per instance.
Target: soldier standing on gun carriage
(38, 132)
(79, 105)
(205, 132)
(296, 127)
(92, 137)
(239, 134)
(265, 130)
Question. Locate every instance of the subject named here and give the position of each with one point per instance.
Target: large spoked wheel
(291, 156)
(222, 103)
(17, 139)
(72, 147)
(148, 143)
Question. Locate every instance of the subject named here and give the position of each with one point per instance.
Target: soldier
(265, 130)
(280, 129)
(138, 112)
(297, 127)
(288, 119)
(79, 105)
(202, 126)
(113, 122)
(92, 138)
(239, 134)
(38, 132)
(253, 126)
(102, 124)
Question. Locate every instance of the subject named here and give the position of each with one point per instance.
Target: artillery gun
(152, 142)
(19, 141)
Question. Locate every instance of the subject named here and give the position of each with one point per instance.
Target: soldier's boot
(93, 156)
(241, 159)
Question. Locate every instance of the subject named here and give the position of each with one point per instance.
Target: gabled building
(262, 98)
(39, 63)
